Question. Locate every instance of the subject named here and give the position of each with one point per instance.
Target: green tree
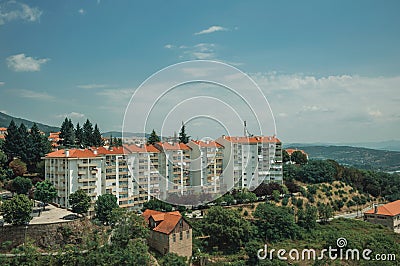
(127, 226)
(17, 211)
(45, 192)
(97, 139)
(87, 138)
(39, 146)
(10, 146)
(67, 133)
(172, 259)
(276, 195)
(23, 143)
(158, 205)
(21, 185)
(3, 159)
(308, 218)
(285, 156)
(79, 201)
(104, 207)
(18, 167)
(325, 212)
(275, 223)
(227, 228)
(78, 135)
(298, 157)
(153, 138)
(183, 137)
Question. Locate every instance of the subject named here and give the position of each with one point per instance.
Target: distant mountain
(6, 119)
(363, 158)
(387, 145)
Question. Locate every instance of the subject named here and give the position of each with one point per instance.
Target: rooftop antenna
(245, 131)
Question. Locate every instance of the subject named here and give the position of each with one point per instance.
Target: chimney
(66, 151)
(95, 151)
(375, 208)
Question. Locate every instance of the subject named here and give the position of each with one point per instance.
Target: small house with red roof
(387, 215)
(170, 232)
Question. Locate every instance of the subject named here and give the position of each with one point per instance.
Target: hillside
(363, 158)
(6, 119)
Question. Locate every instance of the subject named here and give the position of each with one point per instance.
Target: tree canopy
(17, 211)
(45, 192)
(79, 201)
(153, 138)
(104, 207)
(183, 137)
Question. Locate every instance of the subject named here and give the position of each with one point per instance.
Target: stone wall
(43, 235)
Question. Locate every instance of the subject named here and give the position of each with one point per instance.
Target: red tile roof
(136, 148)
(2, 137)
(172, 146)
(207, 143)
(73, 153)
(167, 220)
(252, 140)
(3, 129)
(290, 151)
(390, 209)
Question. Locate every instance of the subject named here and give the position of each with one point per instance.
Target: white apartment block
(206, 166)
(174, 168)
(249, 161)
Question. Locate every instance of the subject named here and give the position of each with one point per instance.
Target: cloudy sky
(329, 69)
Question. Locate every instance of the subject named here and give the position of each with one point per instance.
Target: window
(181, 235)
(187, 233)
(174, 237)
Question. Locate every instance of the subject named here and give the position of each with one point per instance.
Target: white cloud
(94, 86)
(169, 46)
(23, 63)
(200, 51)
(2, 83)
(71, 115)
(374, 113)
(211, 30)
(13, 10)
(34, 94)
(81, 11)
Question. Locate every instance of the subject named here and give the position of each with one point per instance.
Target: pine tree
(111, 144)
(97, 140)
(87, 138)
(23, 143)
(67, 133)
(183, 138)
(38, 146)
(10, 145)
(153, 138)
(78, 135)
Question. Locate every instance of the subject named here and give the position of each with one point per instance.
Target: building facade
(170, 232)
(387, 215)
(206, 166)
(249, 161)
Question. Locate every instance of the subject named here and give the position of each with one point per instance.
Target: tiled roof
(73, 153)
(2, 137)
(167, 220)
(290, 151)
(172, 146)
(113, 150)
(207, 144)
(3, 129)
(255, 139)
(390, 209)
(136, 148)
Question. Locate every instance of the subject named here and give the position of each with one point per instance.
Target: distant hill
(363, 158)
(387, 145)
(6, 119)
(118, 134)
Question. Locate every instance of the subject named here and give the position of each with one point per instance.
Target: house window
(187, 234)
(181, 235)
(174, 237)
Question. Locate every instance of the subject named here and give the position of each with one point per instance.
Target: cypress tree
(97, 140)
(23, 143)
(78, 135)
(153, 138)
(183, 138)
(10, 145)
(87, 134)
(39, 146)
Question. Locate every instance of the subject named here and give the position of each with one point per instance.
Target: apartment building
(248, 161)
(387, 215)
(206, 166)
(70, 170)
(129, 173)
(3, 131)
(174, 168)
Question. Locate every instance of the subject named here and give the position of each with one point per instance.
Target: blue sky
(330, 69)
